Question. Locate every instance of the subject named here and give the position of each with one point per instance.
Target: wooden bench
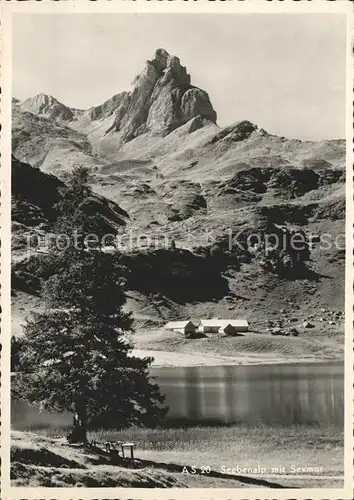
(111, 447)
(128, 445)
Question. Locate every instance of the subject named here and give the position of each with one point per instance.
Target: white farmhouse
(186, 327)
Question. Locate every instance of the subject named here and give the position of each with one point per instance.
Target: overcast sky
(286, 73)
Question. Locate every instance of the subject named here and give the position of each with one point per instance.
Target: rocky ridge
(48, 107)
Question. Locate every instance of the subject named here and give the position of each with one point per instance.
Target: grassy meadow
(275, 449)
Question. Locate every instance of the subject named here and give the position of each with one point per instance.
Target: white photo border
(12, 7)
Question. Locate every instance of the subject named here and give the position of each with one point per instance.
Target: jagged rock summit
(161, 100)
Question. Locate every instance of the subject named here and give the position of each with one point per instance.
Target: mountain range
(162, 167)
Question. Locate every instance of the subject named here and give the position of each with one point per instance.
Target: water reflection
(288, 394)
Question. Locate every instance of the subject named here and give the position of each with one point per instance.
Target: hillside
(39, 461)
(48, 143)
(157, 153)
(34, 196)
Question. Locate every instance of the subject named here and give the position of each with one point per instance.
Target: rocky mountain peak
(47, 106)
(160, 59)
(171, 67)
(162, 99)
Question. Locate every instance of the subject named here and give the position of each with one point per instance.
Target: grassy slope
(174, 349)
(39, 460)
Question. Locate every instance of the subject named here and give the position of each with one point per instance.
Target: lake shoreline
(168, 359)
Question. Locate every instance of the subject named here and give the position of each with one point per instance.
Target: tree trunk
(78, 433)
